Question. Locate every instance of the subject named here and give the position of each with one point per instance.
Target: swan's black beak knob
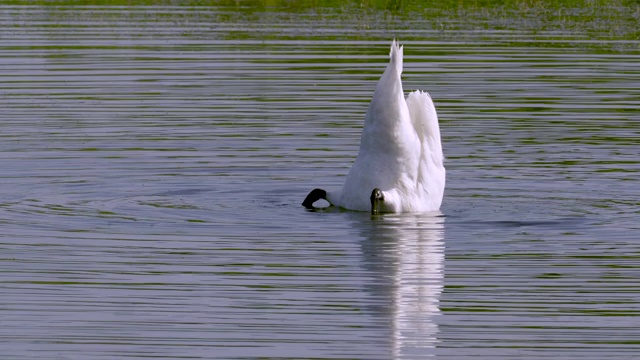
(377, 198)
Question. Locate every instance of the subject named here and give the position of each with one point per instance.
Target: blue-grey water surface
(153, 162)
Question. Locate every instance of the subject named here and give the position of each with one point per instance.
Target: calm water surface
(153, 162)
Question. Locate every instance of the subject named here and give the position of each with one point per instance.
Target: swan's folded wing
(430, 172)
(425, 122)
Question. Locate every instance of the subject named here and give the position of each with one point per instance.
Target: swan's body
(400, 152)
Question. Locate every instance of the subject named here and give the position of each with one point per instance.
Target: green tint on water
(154, 155)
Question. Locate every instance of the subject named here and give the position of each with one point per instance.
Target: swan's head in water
(314, 195)
(377, 199)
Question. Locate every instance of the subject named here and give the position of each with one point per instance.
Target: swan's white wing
(431, 172)
(425, 122)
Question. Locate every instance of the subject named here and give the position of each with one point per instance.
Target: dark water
(154, 160)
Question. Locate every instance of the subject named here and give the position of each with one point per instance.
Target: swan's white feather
(400, 150)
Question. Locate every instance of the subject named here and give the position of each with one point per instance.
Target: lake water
(153, 161)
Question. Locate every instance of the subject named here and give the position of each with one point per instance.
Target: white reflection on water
(418, 283)
(406, 253)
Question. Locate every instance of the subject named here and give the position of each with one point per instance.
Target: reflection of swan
(405, 253)
(399, 167)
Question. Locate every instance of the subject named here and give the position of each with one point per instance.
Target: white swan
(400, 165)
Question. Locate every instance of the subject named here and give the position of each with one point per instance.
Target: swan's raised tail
(396, 56)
